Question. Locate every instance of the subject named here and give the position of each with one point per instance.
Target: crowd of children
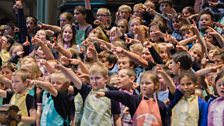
(153, 65)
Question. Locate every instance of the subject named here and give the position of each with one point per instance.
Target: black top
(133, 101)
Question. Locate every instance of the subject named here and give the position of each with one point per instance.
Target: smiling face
(220, 87)
(67, 34)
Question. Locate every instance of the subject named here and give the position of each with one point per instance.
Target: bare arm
(188, 40)
(117, 120)
(200, 39)
(53, 28)
(46, 86)
(71, 76)
(44, 47)
(134, 57)
(167, 79)
(62, 50)
(32, 118)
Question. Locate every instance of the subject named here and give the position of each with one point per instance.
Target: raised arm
(44, 47)
(167, 79)
(200, 39)
(71, 76)
(134, 57)
(46, 86)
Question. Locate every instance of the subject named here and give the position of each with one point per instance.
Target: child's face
(187, 34)
(114, 80)
(187, 86)
(165, 8)
(63, 21)
(147, 55)
(163, 53)
(30, 24)
(124, 81)
(123, 62)
(174, 67)
(122, 27)
(67, 34)
(57, 82)
(147, 86)
(78, 16)
(97, 81)
(205, 21)
(220, 87)
(176, 24)
(196, 54)
(4, 42)
(152, 33)
(18, 85)
(209, 38)
(102, 16)
(133, 25)
(41, 35)
(6, 72)
(186, 13)
(16, 49)
(124, 13)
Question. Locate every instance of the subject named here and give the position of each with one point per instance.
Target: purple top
(216, 112)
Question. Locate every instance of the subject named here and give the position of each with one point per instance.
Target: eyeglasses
(120, 26)
(102, 15)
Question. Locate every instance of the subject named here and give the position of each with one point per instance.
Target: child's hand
(64, 60)
(126, 110)
(100, 94)
(147, 44)
(180, 47)
(212, 31)
(74, 61)
(151, 11)
(19, 53)
(119, 50)
(26, 43)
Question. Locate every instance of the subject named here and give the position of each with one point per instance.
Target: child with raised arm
(97, 111)
(21, 98)
(187, 108)
(145, 109)
(55, 100)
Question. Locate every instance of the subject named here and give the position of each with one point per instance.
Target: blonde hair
(98, 68)
(14, 46)
(62, 78)
(153, 77)
(33, 68)
(107, 11)
(136, 48)
(24, 74)
(125, 7)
